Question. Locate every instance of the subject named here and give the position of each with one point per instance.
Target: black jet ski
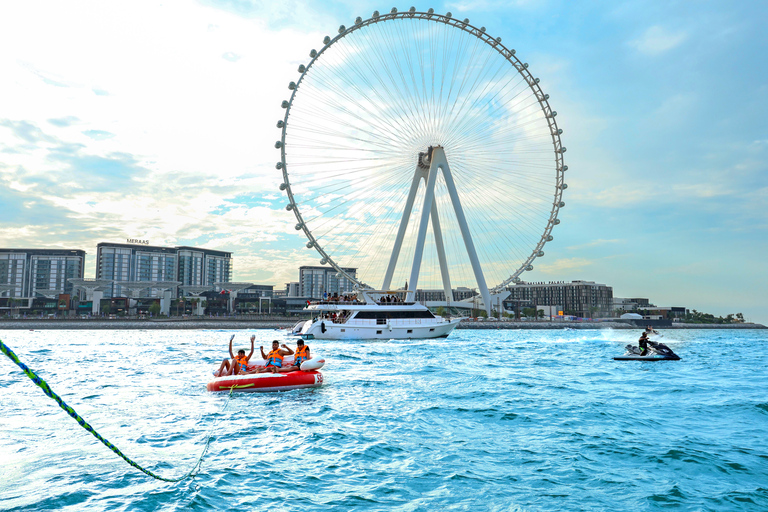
(656, 352)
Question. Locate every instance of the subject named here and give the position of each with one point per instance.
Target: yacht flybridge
(371, 314)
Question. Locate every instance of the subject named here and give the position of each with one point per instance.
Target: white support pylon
(417, 176)
(437, 162)
(441, 255)
(438, 156)
(429, 196)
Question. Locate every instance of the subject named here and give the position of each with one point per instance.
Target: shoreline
(219, 323)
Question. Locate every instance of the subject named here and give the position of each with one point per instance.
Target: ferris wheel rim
(495, 44)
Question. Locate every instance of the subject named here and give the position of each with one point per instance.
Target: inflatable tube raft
(307, 377)
(257, 382)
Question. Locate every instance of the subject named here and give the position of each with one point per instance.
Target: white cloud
(657, 40)
(563, 266)
(596, 243)
(147, 120)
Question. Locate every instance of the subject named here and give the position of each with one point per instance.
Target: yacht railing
(356, 303)
(336, 303)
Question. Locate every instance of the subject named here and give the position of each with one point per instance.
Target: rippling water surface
(483, 420)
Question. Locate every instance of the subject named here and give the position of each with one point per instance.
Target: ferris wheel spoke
(374, 127)
(472, 99)
(382, 126)
(387, 125)
(345, 186)
(470, 125)
(348, 199)
(344, 238)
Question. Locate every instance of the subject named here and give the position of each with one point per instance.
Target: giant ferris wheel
(418, 149)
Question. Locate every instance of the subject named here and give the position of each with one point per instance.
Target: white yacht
(374, 315)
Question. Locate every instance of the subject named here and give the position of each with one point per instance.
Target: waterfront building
(622, 305)
(438, 295)
(134, 262)
(138, 262)
(293, 289)
(314, 281)
(30, 273)
(257, 298)
(578, 298)
(648, 310)
(663, 312)
(203, 267)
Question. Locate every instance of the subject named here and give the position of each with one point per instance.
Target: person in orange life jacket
(302, 354)
(274, 360)
(238, 364)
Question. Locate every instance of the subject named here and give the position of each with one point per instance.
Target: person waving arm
(253, 338)
(231, 354)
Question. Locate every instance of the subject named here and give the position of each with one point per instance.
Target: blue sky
(157, 121)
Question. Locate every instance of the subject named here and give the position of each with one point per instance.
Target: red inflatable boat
(307, 377)
(268, 381)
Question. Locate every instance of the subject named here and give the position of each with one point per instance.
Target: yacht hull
(358, 331)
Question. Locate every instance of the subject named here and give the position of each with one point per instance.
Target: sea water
(482, 420)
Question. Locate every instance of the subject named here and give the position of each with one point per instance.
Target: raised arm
(286, 351)
(263, 355)
(252, 349)
(230, 347)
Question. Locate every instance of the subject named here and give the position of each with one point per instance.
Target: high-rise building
(139, 262)
(203, 267)
(314, 281)
(134, 262)
(40, 272)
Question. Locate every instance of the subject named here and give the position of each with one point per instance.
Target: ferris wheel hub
(425, 158)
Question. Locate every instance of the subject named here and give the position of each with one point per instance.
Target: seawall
(228, 323)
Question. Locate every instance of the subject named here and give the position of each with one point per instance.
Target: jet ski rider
(643, 342)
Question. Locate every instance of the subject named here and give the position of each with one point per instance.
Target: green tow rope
(48, 391)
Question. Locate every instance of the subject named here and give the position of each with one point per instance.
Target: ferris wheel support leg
(441, 254)
(417, 176)
(429, 196)
(438, 157)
